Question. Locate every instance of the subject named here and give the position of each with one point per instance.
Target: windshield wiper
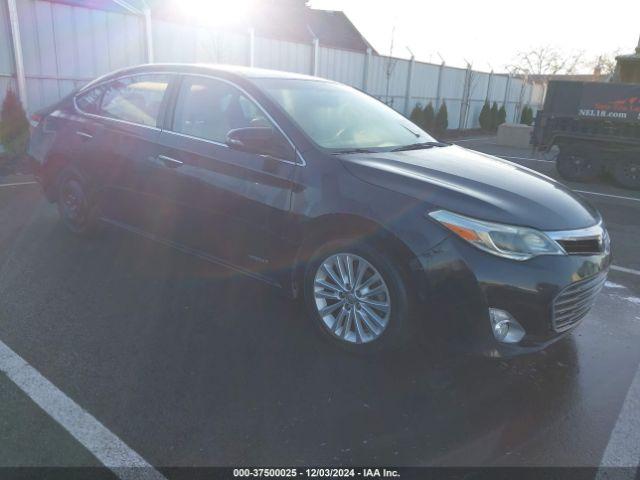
(421, 145)
(352, 150)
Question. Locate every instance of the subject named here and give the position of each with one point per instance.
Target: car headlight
(508, 241)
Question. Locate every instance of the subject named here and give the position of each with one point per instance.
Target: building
(628, 67)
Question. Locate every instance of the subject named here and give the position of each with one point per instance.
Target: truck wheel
(626, 171)
(577, 166)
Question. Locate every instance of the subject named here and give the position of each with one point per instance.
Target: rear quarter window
(135, 99)
(89, 101)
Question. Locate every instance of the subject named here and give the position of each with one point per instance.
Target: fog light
(505, 328)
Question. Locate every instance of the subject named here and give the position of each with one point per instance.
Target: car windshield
(341, 118)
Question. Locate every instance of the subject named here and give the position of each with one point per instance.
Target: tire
(626, 172)
(577, 165)
(356, 324)
(77, 211)
(551, 154)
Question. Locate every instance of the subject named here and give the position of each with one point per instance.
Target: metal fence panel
(6, 55)
(64, 46)
(479, 86)
(425, 81)
(342, 65)
(282, 55)
(452, 83)
(387, 80)
(185, 43)
(498, 88)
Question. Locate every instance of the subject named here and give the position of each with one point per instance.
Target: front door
(229, 204)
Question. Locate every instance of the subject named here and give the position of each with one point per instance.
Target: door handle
(170, 162)
(85, 135)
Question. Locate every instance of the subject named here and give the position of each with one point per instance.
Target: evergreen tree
(493, 117)
(442, 119)
(484, 116)
(429, 117)
(416, 115)
(502, 115)
(527, 115)
(14, 126)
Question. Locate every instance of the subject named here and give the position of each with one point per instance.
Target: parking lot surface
(188, 364)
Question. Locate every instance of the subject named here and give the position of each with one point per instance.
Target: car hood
(475, 184)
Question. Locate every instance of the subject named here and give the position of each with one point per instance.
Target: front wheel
(357, 297)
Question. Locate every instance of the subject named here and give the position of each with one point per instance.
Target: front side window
(135, 99)
(208, 108)
(338, 117)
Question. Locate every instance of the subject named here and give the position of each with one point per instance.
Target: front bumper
(461, 283)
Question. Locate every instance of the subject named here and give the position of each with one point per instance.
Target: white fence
(64, 46)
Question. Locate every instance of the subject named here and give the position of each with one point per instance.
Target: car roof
(233, 70)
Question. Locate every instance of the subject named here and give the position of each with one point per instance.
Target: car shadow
(193, 364)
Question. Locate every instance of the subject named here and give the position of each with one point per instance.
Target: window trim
(170, 100)
(331, 151)
(118, 120)
(171, 114)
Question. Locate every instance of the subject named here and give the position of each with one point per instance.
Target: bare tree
(604, 63)
(390, 66)
(546, 60)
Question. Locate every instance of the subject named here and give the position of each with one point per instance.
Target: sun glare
(214, 12)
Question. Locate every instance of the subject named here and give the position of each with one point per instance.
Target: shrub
(493, 117)
(485, 116)
(14, 126)
(429, 118)
(527, 115)
(502, 116)
(442, 119)
(416, 115)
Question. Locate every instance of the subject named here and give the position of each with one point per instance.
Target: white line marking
(623, 449)
(527, 158)
(625, 270)
(472, 139)
(608, 195)
(16, 184)
(93, 435)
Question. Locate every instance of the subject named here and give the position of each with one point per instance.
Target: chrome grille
(585, 241)
(582, 246)
(575, 301)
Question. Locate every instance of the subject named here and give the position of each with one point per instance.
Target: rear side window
(89, 102)
(134, 99)
(209, 108)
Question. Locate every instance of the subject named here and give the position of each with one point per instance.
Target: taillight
(35, 119)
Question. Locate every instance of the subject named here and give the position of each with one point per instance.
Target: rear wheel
(357, 297)
(77, 211)
(577, 165)
(626, 172)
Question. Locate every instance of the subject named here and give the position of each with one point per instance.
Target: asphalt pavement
(177, 362)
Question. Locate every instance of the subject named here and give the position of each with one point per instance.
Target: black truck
(594, 127)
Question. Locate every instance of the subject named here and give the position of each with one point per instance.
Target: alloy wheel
(352, 298)
(73, 202)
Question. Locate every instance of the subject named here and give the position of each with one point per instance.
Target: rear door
(125, 141)
(229, 204)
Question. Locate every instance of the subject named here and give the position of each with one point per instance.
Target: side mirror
(261, 141)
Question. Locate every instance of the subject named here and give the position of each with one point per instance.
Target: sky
(489, 33)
